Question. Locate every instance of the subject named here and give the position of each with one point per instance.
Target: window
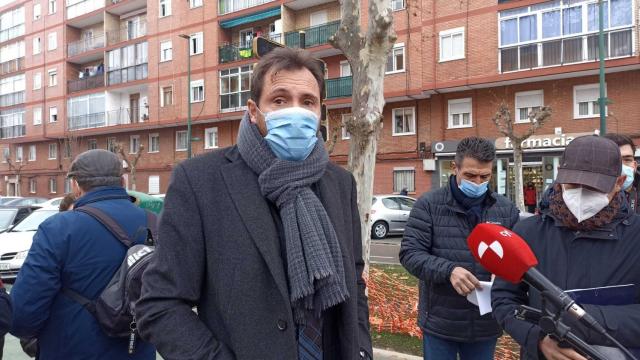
(345, 132)
(404, 178)
(134, 144)
(53, 185)
(53, 77)
(37, 11)
(112, 144)
(32, 153)
(53, 41)
(52, 7)
(37, 81)
(37, 116)
(67, 185)
(318, 18)
(404, 121)
(245, 37)
(166, 51)
(6, 153)
(397, 5)
(452, 44)
(33, 186)
(585, 101)
(92, 144)
(53, 114)
(196, 44)
(154, 184)
(460, 114)
(181, 140)
(345, 68)
(211, 138)
(154, 143)
(195, 3)
(19, 154)
(395, 61)
(165, 8)
(53, 151)
(197, 91)
(528, 102)
(166, 96)
(37, 45)
(66, 146)
(235, 88)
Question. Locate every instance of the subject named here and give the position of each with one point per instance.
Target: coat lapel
(242, 184)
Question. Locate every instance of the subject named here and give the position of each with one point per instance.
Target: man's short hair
(621, 140)
(66, 202)
(280, 59)
(477, 148)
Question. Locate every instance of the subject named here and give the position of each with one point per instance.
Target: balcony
(234, 52)
(12, 98)
(10, 66)
(314, 36)
(12, 32)
(340, 87)
(8, 132)
(127, 74)
(84, 45)
(127, 33)
(121, 116)
(568, 50)
(124, 6)
(91, 82)
(229, 6)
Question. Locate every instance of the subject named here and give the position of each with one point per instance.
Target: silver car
(389, 214)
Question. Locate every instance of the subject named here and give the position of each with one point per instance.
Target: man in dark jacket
(585, 237)
(629, 169)
(434, 249)
(73, 250)
(262, 237)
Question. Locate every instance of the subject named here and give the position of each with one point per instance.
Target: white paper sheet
(482, 298)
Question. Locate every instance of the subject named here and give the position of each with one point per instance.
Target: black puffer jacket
(435, 241)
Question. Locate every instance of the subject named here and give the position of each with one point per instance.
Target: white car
(52, 202)
(16, 242)
(389, 214)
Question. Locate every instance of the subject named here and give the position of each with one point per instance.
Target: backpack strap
(108, 222)
(75, 296)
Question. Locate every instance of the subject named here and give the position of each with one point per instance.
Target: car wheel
(379, 230)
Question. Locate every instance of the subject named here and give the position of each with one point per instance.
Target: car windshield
(31, 222)
(4, 201)
(6, 217)
(56, 202)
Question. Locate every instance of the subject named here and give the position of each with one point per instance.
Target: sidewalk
(379, 354)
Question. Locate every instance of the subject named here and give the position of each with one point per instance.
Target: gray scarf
(315, 268)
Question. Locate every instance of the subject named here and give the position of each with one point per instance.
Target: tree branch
(348, 37)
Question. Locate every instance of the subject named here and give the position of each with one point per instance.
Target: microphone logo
(495, 246)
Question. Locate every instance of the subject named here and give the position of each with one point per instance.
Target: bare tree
(505, 124)
(367, 54)
(16, 169)
(130, 161)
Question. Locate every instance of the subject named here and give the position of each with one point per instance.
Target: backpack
(114, 309)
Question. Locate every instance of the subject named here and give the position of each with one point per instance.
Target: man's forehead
(289, 79)
(626, 150)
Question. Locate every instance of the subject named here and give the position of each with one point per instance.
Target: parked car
(16, 242)
(389, 214)
(11, 215)
(27, 201)
(52, 202)
(5, 199)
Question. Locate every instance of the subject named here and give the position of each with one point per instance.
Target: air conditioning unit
(429, 165)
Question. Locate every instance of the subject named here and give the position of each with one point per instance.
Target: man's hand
(463, 281)
(552, 351)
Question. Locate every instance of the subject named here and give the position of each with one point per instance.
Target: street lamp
(188, 93)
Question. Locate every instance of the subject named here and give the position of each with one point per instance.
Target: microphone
(505, 254)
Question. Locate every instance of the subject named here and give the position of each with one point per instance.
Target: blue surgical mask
(472, 189)
(629, 171)
(291, 133)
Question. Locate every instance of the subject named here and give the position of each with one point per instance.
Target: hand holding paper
(482, 297)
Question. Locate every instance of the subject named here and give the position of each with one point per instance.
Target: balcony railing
(84, 7)
(108, 118)
(127, 74)
(229, 6)
(84, 45)
(314, 36)
(12, 99)
(12, 66)
(569, 50)
(235, 52)
(128, 33)
(12, 32)
(8, 132)
(91, 82)
(340, 87)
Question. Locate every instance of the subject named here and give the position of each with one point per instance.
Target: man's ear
(253, 111)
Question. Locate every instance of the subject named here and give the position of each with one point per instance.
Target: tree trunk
(518, 181)
(18, 185)
(133, 178)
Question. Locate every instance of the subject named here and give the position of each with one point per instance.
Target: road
(385, 251)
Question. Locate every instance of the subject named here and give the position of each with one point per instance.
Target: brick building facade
(89, 74)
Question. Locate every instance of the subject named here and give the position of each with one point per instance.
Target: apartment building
(77, 75)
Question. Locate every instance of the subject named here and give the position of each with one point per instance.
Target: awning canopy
(265, 14)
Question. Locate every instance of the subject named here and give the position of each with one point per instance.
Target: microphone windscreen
(501, 251)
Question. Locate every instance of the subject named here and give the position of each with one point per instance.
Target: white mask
(584, 203)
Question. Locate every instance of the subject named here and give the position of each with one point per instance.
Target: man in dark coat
(584, 237)
(263, 238)
(434, 249)
(629, 168)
